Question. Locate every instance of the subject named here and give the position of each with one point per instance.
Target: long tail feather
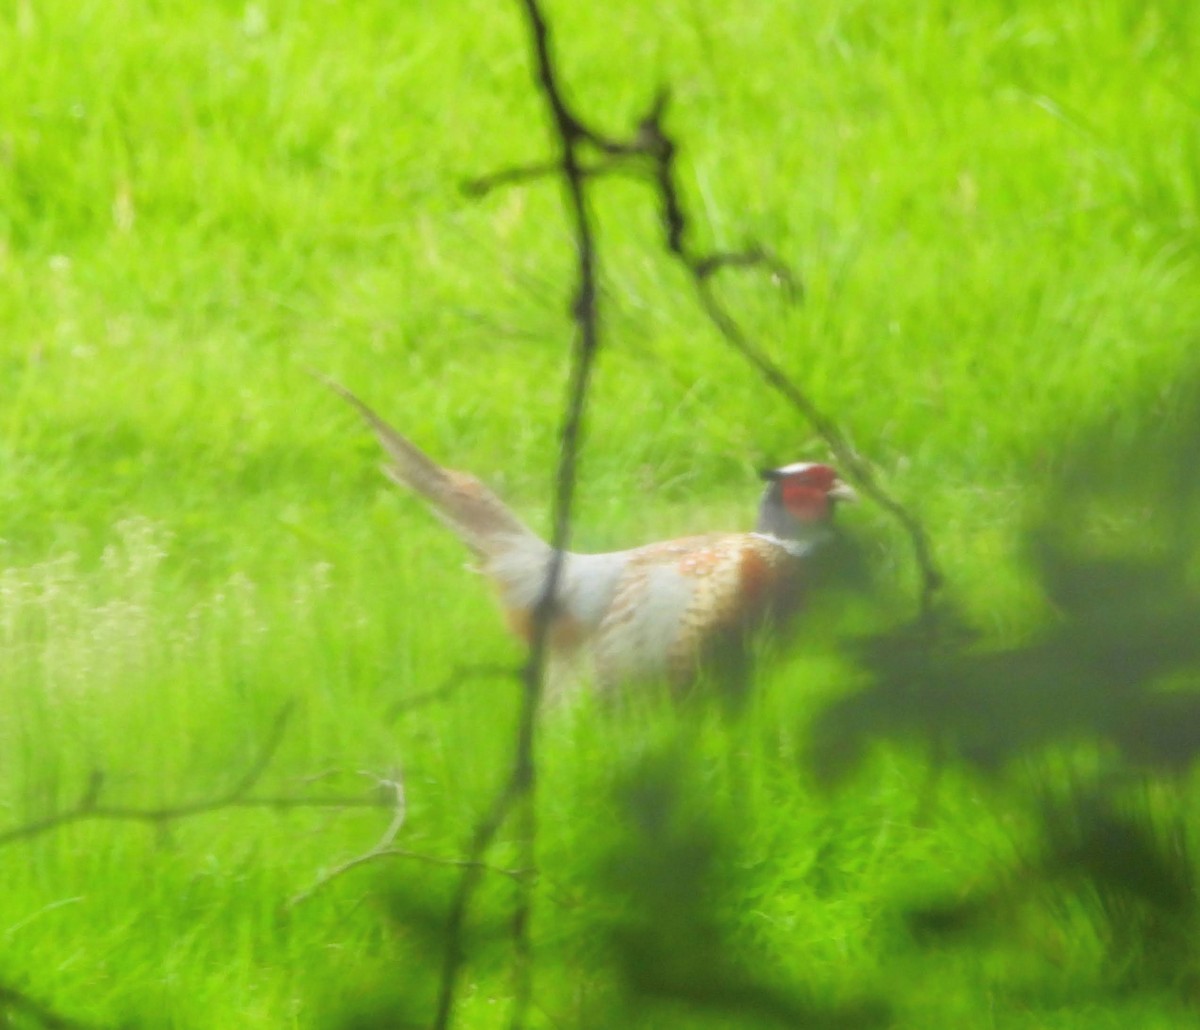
(469, 508)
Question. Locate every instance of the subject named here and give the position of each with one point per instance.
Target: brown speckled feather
(677, 603)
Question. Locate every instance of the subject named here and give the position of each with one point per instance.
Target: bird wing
(681, 602)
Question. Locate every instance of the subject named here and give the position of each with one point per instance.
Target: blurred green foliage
(993, 208)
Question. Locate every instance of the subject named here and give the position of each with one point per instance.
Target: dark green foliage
(669, 876)
(1093, 722)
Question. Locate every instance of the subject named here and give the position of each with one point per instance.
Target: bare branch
(256, 768)
(652, 143)
(399, 814)
(457, 677)
(485, 184)
(520, 788)
(651, 152)
(701, 267)
(855, 465)
(383, 849)
(755, 257)
(377, 855)
(90, 808)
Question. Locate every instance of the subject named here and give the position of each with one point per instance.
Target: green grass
(995, 209)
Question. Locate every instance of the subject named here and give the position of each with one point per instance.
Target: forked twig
(90, 808)
(378, 854)
(457, 677)
(650, 153)
(521, 785)
(514, 176)
(655, 153)
(383, 848)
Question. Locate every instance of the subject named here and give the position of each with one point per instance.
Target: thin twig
(383, 848)
(399, 813)
(709, 265)
(856, 467)
(521, 786)
(457, 677)
(572, 136)
(90, 808)
(379, 854)
(485, 184)
(702, 268)
(652, 142)
(256, 768)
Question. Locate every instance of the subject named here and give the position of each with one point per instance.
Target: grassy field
(995, 209)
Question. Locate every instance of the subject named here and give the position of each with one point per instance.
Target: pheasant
(661, 611)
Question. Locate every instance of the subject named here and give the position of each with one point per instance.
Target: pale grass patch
(66, 630)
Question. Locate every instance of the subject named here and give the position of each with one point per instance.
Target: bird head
(800, 500)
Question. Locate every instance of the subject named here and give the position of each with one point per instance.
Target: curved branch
(240, 795)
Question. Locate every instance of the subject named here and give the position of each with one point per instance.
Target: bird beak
(769, 475)
(843, 492)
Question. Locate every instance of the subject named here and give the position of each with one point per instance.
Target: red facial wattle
(806, 501)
